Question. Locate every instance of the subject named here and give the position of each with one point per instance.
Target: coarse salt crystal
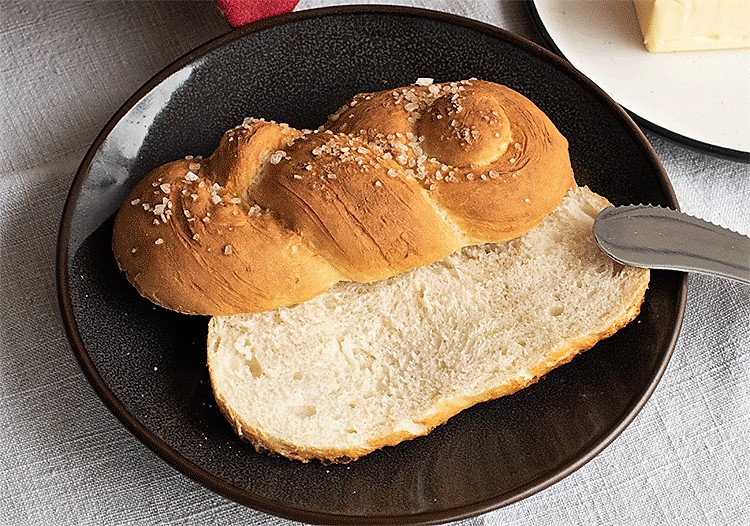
(215, 199)
(277, 156)
(135, 202)
(194, 167)
(159, 241)
(159, 209)
(378, 184)
(235, 200)
(424, 81)
(297, 177)
(227, 250)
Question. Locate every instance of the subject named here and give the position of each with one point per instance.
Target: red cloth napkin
(240, 12)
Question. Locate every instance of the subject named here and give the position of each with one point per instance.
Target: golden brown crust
(395, 180)
(370, 226)
(188, 243)
(494, 162)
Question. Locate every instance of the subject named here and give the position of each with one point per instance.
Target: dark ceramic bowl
(148, 364)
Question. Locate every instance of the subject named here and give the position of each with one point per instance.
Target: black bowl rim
(694, 144)
(214, 483)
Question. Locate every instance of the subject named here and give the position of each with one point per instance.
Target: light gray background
(65, 68)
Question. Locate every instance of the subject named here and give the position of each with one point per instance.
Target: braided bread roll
(394, 180)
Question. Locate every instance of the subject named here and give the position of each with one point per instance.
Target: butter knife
(659, 238)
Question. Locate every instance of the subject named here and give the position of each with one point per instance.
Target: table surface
(66, 68)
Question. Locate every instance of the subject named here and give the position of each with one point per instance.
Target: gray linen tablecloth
(64, 459)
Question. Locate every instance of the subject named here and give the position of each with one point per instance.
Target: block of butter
(692, 25)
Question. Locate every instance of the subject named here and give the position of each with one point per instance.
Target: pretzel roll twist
(394, 180)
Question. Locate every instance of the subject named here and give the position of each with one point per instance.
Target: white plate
(701, 98)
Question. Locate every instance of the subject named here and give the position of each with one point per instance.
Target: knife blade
(660, 238)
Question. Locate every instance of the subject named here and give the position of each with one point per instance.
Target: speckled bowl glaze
(148, 364)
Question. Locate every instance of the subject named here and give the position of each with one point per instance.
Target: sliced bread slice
(365, 366)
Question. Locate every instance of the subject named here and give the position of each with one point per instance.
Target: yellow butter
(691, 25)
